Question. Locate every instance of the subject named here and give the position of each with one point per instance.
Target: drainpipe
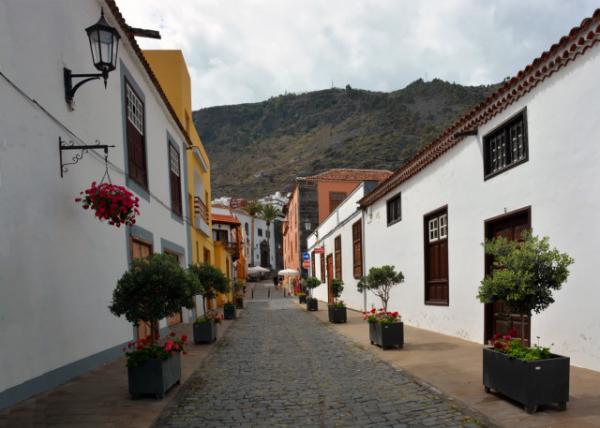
(362, 254)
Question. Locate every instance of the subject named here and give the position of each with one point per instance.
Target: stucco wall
(259, 223)
(291, 256)
(323, 190)
(58, 264)
(339, 223)
(560, 183)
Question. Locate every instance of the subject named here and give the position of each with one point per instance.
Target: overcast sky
(249, 50)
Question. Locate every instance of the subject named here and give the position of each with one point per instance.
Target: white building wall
(259, 223)
(560, 182)
(58, 264)
(339, 223)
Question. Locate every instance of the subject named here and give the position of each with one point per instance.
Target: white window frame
(135, 110)
(433, 228)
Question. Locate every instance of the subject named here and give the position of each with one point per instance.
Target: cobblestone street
(279, 366)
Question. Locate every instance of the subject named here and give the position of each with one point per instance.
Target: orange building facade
(311, 201)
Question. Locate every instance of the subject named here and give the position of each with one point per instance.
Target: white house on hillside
(59, 264)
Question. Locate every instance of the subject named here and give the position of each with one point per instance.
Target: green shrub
(337, 286)
(210, 281)
(524, 274)
(310, 283)
(153, 288)
(380, 282)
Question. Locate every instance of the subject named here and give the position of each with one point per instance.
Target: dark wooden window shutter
(357, 249)
(175, 179)
(136, 143)
(436, 258)
(338, 257)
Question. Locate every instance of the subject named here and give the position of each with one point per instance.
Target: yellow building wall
(223, 262)
(172, 73)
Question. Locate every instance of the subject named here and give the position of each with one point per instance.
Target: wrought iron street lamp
(104, 44)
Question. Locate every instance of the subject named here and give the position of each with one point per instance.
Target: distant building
(276, 199)
(311, 201)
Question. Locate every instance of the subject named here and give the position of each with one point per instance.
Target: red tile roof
(569, 48)
(224, 218)
(349, 174)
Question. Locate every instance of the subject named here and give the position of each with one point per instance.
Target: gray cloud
(248, 50)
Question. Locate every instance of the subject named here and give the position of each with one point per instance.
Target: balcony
(201, 215)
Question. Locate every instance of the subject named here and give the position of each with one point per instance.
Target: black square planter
(229, 312)
(302, 298)
(239, 303)
(387, 335)
(531, 383)
(337, 314)
(154, 377)
(312, 304)
(205, 332)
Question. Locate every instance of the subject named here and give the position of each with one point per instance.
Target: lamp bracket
(70, 89)
(70, 145)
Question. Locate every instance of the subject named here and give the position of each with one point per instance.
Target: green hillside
(258, 148)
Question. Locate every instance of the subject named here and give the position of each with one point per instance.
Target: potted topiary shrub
(205, 327)
(309, 284)
(210, 281)
(239, 293)
(337, 310)
(301, 297)
(385, 328)
(153, 288)
(524, 275)
(229, 311)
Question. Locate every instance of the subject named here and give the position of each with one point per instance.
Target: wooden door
(140, 250)
(498, 318)
(436, 258)
(329, 278)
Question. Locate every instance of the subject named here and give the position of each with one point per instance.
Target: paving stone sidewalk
(279, 366)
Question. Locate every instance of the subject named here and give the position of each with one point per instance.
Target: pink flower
(168, 345)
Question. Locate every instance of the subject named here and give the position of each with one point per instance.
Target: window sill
(394, 222)
(506, 168)
(436, 303)
(140, 190)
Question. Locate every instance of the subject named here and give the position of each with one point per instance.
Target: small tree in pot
(309, 284)
(524, 276)
(205, 327)
(337, 310)
(385, 328)
(153, 288)
(238, 290)
(210, 282)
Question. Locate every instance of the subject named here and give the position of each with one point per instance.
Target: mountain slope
(258, 148)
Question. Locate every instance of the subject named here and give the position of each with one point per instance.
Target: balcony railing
(200, 209)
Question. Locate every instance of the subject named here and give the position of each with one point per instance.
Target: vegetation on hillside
(256, 149)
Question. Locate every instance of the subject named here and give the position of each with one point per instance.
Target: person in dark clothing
(275, 281)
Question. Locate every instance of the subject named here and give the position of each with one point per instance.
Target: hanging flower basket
(110, 202)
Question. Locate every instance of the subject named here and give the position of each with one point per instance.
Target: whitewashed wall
(259, 223)
(339, 223)
(58, 264)
(560, 182)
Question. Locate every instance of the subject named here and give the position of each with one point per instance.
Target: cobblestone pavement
(279, 366)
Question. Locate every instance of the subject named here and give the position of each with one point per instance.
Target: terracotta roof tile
(349, 174)
(569, 48)
(223, 218)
